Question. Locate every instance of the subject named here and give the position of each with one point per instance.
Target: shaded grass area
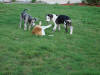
(22, 53)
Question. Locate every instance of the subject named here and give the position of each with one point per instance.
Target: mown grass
(22, 53)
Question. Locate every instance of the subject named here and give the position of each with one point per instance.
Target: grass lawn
(22, 53)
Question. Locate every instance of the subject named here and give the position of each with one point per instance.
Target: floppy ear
(40, 23)
(50, 15)
(57, 15)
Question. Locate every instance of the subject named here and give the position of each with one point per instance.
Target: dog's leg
(25, 23)
(45, 27)
(20, 22)
(71, 27)
(64, 24)
(29, 26)
(25, 26)
(58, 27)
(71, 30)
(66, 29)
(54, 29)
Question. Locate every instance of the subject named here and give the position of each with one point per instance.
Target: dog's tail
(25, 10)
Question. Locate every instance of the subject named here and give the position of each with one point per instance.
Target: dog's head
(37, 30)
(49, 17)
(33, 21)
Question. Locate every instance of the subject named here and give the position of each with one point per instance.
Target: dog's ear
(57, 15)
(50, 15)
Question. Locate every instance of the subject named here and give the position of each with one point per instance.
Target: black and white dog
(27, 19)
(60, 19)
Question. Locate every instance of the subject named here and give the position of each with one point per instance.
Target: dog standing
(60, 19)
(27, 20)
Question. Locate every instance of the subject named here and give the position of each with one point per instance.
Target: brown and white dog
(40, 30)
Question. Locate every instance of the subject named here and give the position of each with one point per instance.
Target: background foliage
(93, 2)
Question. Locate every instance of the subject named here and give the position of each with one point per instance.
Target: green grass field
(22, 53)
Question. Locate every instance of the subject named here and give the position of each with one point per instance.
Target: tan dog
(40, 30)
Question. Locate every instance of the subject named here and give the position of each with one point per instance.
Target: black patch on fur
(61, 19)
(50, 15)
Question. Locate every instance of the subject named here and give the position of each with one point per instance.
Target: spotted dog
(60, 19)
(27, 20)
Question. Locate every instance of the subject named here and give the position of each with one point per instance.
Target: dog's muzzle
(33, 24)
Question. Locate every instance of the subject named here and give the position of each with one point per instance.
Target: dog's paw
(25, 29)
(70, 33)
(54, 29)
